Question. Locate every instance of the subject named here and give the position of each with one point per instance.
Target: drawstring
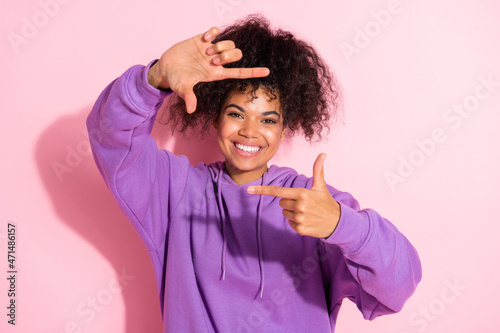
(224, 238)
(259, 243)
(223, 226)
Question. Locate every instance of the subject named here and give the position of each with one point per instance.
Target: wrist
(154, 78)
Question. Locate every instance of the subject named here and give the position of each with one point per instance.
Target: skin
(311, 212)
(250, 122)
(195, 60)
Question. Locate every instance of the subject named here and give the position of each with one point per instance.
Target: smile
(248, 149)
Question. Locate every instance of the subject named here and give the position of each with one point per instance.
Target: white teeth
(248, 149)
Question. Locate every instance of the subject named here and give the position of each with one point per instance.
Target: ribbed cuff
(352, 230)
(145, 96)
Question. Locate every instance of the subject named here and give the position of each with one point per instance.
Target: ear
(215, 122)
(283, 133)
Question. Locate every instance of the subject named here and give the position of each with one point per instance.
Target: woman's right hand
(195, 60)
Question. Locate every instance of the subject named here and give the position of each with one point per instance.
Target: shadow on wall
(82, 201)
(197, 150)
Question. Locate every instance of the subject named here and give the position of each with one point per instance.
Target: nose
(249, 129)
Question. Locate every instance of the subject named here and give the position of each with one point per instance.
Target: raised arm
(121, 121)
(379, 268)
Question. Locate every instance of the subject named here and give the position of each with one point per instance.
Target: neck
(241, 177)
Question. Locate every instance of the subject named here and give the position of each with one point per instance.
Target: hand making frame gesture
(195, 60)
(311, 212)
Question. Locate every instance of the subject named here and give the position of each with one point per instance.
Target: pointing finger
(245, 73)
(318, 174)
(276, 191)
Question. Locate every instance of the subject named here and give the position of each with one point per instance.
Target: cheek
(224, 130)
(273, 137)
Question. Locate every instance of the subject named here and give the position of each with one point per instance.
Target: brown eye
(235, 115)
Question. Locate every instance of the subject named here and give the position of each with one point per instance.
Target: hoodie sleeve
(380, 270)
(145, 181)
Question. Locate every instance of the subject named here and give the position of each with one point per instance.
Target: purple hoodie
(226, 260)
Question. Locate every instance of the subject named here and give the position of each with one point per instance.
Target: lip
(249, 144)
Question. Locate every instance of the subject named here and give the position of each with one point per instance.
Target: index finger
(276, 191)
(245, 73)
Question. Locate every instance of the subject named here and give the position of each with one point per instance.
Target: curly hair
(308, 93)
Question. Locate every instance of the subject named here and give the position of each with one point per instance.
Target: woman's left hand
(311, 212)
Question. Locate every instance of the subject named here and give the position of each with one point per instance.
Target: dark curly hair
(309, 94)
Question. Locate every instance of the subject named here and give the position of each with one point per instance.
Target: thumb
(189, 99)
(318, 174)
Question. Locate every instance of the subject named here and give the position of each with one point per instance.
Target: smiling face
(249, 132)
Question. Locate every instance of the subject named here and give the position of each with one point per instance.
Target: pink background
(404, 65)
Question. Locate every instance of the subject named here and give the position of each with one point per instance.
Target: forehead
(254, 99)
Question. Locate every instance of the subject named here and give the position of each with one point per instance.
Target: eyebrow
(265, 113)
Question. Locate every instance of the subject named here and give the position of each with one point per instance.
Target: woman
(240, 246)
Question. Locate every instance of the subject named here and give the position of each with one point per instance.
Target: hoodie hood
(275, 176)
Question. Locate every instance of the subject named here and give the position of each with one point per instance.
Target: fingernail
(210, 51)
(208, 35)
(251, 190)
(216, 60)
